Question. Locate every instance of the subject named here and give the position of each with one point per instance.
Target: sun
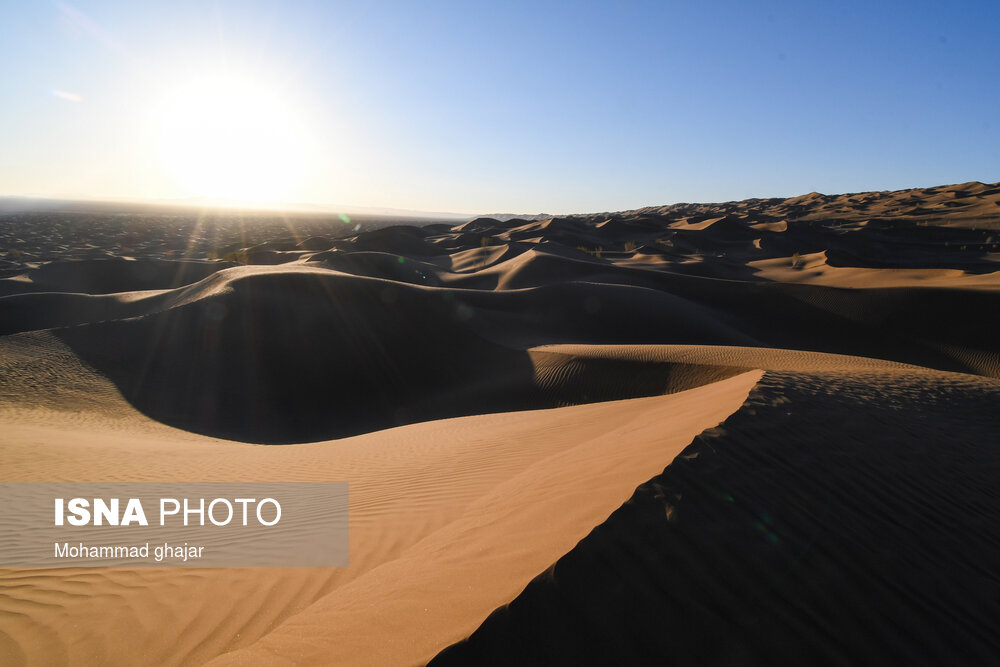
(233, 139)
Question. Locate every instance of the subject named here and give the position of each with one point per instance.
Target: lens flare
(64, 95)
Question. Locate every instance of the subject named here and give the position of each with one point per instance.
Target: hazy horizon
(309, 208)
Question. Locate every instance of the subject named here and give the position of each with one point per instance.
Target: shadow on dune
(283, 357)
(108, 275)
(292, 357)
(834, 520)
(279, 356)
(407, 323)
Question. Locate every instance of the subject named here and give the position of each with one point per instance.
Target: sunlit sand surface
(751, 432)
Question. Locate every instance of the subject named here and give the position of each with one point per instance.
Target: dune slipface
(739, 433)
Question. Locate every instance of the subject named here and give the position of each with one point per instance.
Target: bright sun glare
(230, 138)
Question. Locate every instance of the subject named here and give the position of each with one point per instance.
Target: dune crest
(427, 501)
(743, 432)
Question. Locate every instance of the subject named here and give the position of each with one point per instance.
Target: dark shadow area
(296, 357)
(282, 357)
(834, 520)
(112, 274)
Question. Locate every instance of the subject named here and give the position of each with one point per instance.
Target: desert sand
(740, 433)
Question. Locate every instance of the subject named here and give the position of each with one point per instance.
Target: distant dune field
(752, 432)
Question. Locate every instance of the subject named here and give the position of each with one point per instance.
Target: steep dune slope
(427, 503)
(839, 517)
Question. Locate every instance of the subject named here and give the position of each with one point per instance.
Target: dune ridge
(419, 498)
(743, 432)
(836, 518)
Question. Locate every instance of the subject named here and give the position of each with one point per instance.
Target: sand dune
(420, 496)
(836, 518)
(748, 432)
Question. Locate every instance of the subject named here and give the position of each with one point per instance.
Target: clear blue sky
(495, 106)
